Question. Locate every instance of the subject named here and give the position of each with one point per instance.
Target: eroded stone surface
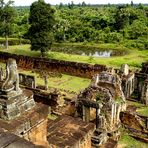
(13, 100)
(106, 96)
(68, 131)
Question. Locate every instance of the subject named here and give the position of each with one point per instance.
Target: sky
(53, 2)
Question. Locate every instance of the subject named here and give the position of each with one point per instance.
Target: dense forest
(123, 24)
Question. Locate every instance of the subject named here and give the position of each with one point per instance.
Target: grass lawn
(127, 141)
(134, 58)
(142, 109)
(66, 82)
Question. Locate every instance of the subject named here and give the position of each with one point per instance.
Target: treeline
(123, 24)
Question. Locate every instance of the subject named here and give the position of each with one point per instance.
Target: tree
(41, 22)
(7, 19)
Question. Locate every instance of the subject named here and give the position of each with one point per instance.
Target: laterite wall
(66, 67)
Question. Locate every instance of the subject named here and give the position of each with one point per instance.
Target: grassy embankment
(134, 58)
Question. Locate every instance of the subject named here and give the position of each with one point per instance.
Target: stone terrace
(9, 140)
(68, 131)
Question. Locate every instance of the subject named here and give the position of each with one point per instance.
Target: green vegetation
(127, 141)
(66, 82)
(142, 109)
(122, 25)
(7, 19)
(134, 58)
(41, 20)
(52, 116)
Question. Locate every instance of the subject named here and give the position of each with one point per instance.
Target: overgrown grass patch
(66, 82)
(127, 141)
(134, 59)
(143, 111)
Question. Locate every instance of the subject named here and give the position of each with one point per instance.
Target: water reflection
(98, 54)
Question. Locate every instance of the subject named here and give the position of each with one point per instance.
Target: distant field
(134, 58)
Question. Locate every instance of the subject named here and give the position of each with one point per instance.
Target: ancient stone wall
(27, 80)
(72, 68)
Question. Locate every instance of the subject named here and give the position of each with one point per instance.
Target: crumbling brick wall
(66, 67)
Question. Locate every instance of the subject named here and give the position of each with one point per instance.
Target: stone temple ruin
(19, 114)
(13, 100)
(106, 97)
(91, 118)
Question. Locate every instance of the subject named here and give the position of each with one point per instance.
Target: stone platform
(28, 120)
(67, 131)
(13, 104)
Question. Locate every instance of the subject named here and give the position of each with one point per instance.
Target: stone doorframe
(86, 105)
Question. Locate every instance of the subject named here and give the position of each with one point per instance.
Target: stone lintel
(90, 103)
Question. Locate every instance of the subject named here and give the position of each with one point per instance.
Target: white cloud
(28, 2)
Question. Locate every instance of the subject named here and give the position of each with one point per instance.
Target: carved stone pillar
(114, 117)
(118, 112)
(97, 117)
(112, 114)
(86, 113)
(97, 80)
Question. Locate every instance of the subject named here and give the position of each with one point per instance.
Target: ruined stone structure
(13, 101)
(128, 80)
(19, 113)
(27, 80)
(141, 84)
(66, 67)
(9, 140)
(106, 96)
(70, 132)
(102, 103)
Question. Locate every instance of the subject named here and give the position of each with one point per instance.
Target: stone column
(97, 118)
(97, 80)
(112, 114)
(118, 112)
(1, 74)
(114, 117)
(144, 93)
(86, 113)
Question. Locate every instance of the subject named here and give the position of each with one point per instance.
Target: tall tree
(41, 20)
(7, 19)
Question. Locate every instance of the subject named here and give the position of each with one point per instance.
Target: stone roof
(9, 140)
(67, 131)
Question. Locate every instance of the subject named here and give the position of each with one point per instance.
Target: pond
(92, 52)
(98, 54)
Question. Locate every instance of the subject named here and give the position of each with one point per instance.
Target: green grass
(52, 117)
(66, 82)
(142, 109)
(127, 141)
(134, 58)
(137, 104)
